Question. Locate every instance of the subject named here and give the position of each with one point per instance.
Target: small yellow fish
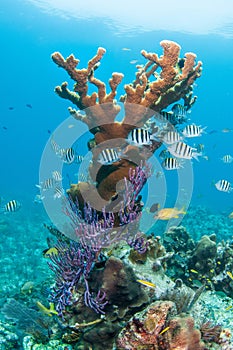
(169, 213)
(229, 307)
(164, 330)
(147, 283)
(193, 271)
(230, 274)
(45, 310)
(50, 251)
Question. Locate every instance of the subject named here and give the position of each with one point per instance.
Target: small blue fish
(38, 199)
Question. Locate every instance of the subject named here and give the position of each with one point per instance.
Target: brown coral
(182, 335)
(142, 331)
(120, 285)
(143, 99)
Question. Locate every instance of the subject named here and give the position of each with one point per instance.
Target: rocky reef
(113, 286)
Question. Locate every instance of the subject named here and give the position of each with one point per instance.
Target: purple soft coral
(71, 263)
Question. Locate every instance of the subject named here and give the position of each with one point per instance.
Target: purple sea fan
(101, 229)
(138, 178)
(138, 243)
(131, 205)
(72, 263)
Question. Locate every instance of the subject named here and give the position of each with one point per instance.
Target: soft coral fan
(71, 264)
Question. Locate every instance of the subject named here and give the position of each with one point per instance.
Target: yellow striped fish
(147, 283)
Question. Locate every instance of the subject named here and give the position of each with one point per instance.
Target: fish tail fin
(195, 155)
(183, 210)
(204, 130)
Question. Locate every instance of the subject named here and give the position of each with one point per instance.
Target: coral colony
(111, 290)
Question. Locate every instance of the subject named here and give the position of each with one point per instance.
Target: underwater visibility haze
(116, 201)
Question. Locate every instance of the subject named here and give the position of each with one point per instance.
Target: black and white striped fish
(55, 147)
(193, 130)
(171, 137)
(179, 110)
(223, 186)
(11, 206)
(182, 150)
(58, 192)
(139, 137)
(68, 155)
(109, 156)
(79, 159)
(57, 175)
(171, 164)
(227, 159)
(169, 117)
(47, 184)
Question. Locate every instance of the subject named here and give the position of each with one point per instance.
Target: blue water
(28, 76)
(30, 110)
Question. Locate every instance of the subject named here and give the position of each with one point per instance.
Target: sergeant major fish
(171, 164)
(139, 137)
(193, 130)
(182, 150)
(47, 184)
(171, 137)
(11, 206)
(179, 110)
(170, 117)
(109, 156)
(227, 159)
(68, 155)
(57, 175)
(223, 186)
(58, 192)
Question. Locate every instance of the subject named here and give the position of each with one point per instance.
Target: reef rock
(142, 330)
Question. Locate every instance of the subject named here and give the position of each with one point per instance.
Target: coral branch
(160, 82)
